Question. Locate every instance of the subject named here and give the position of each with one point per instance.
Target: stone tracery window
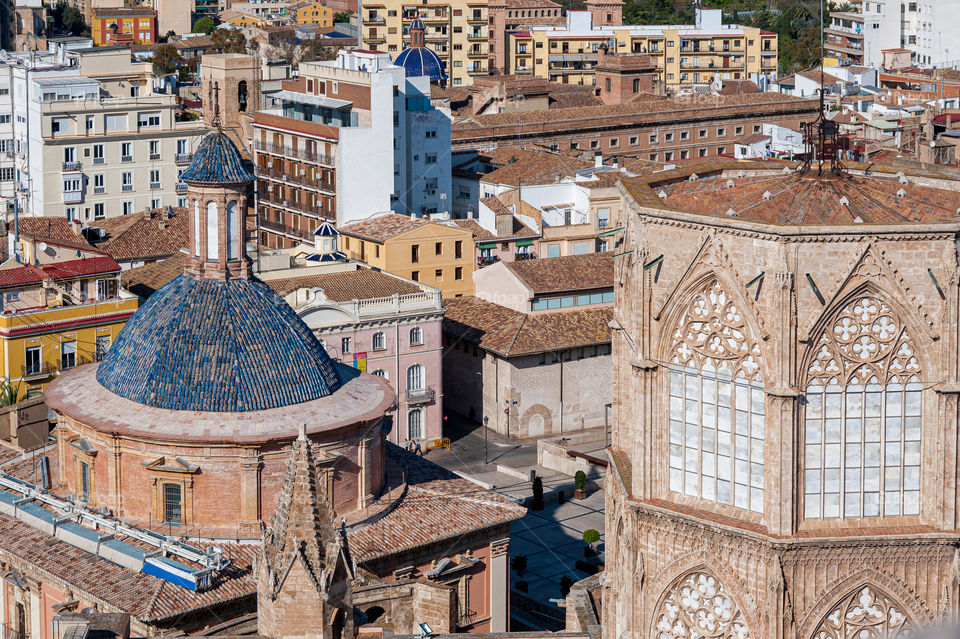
(864, 614)
(862, 417)
(699, 606)
(716, 404)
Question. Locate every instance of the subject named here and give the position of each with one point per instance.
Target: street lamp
(486, 420)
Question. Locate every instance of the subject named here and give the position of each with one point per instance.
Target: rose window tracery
(716, 403)
(864, 614)
(863, 410)
(698, 606)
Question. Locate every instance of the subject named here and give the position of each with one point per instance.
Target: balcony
(375, 20)
(296, 153)
(99, 190)
(154, 156)
(154, 186)
(528, 255)
(72, 197)
(126, 158)
(422, 396)
(183, 158)
(277, 227)
(127, 187)
(181, 187)
(72, 166)
(488, 260)
(99, 160)
(37, 371)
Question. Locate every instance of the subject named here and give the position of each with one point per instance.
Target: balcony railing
(72, 166)
(7, 631)
(293, 178)
(126, 158)
(181, 187)
(154, 156)
(421, 396)
(183, 158)
(529, 255)
(127, 187)
(99, 160)
(36, 371)
(294, 152)
(154, 186)
(487, 261)
(99, 190)
(286, 230)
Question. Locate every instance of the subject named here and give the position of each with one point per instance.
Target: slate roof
(568, 273)
(217, 161)
(152, 235)
(360, 284)
(509, 333)
(219, 346)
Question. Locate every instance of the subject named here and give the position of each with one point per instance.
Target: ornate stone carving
(864, 614)
(866, 341)
(698, 606)
(712, 335)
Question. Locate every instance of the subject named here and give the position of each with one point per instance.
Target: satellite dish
(43, 246)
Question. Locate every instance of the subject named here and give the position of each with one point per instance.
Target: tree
(343, 16)
(519, 565)
(591, 536)
(580, 480)
(566, 582)
(166, 59)
(68, 19)
(204, 25)
(229, 40)
(537, 502)
(315, 51)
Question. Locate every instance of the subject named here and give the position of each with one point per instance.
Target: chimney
(597, 159)
(76, 226)
(504, 222)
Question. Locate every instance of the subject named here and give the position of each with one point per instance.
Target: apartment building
(860, 33)
(87, 157)
(312, 12)
(456, 30)
(437, 253)
(656, 129)
(342, 129)
(123, 25)
(516, 15)
(685, 55)
(61, 304)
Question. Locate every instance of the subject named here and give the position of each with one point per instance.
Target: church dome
(217, 161)
(417, 61)
(201, 344)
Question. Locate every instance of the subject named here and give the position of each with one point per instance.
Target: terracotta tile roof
(525, 4)
(438, 506)
(123, 12)
(815, 76)
(509, 333)
(344, 286)
(480, 234)
(530, 167)
(196, 42)
(752, 139)
(31, 274)
(569, 273)
(736, 87)
(145, 280)
(53, 231)
(155, 234)
(777, 198)
(383, 227)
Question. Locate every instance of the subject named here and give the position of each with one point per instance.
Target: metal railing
(7, 631)
(72, 166)
(183, 158)
(33, 371)
(292, 151)
(421, 396)
(181, 187)
(294, 178)
(127, 187)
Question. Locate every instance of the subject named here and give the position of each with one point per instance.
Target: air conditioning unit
(269, 164)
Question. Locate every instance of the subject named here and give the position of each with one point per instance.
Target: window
(154, 178)
(148, 119)
(98, 211)
(614, 143)
(381, 373)
(458, 249)
(668, 137)
(721, 132)
(345, 345)
(636, 86)
(233, 231)
(32, 359)
(415, 424)
(416, 336)
(862, 419)
(172, 504)
(430, 158)
(716, 405)
(106, 289)
(68, 354)
(415, 253)
(430, 134)
(438, 248)
(154, 149)
(71, 213)
(634, 140)
(415, 377)
(415, 276)
(702, 133)
(85, 481)
(126, 152)
(603, 218)
(128, 208)
(379, 342)
(684, 135)
(458, 273)
(212, 231)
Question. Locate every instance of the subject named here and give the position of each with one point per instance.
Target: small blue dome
(202, 344)
(418, 61)
(217, 161)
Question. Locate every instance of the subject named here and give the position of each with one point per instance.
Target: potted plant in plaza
(519, 565)
(590, 537)
(537, 502)
(580, 485)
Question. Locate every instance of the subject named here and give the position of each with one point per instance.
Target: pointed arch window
(698, 605)
(716, 404)
(865, 613)
(862, 417)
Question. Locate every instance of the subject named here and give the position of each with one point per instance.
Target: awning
(315, 100)
(524, 243)
(488, 245)
(609, 233)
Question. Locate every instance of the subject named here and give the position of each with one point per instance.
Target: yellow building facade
(313, 13)
(456, 29)
(434, 253)
(684, 56)
(57, 315)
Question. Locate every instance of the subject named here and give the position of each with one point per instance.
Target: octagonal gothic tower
(785, 458)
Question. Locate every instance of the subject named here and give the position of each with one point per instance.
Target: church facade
(785, 456)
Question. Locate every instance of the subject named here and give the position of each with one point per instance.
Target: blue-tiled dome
(217, 161)
(418, 61)
(203, 344)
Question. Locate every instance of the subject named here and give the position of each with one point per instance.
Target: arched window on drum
(862, 416)
(716, 404)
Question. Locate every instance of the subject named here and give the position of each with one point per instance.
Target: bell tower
(218, 182)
